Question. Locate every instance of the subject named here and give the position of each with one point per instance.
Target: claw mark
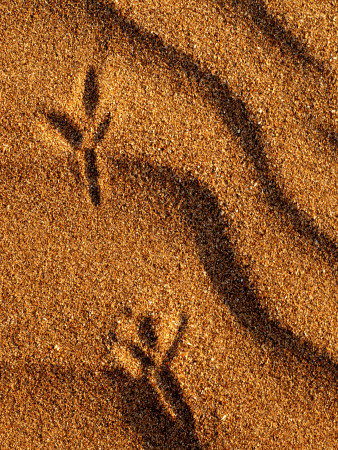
(92, 176)
(147, 332)
(138, 353)
(66, 128)
(90, 97)
(102, 128)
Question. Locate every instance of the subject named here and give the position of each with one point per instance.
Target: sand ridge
(169, 225)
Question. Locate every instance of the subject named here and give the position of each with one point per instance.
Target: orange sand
(169, 224)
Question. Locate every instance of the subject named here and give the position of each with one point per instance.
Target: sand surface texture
(169, 218)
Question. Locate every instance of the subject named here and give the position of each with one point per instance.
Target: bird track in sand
(84, 140)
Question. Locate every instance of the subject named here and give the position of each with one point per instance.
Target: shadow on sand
(149, 48)
(202, 214)
(274, 29)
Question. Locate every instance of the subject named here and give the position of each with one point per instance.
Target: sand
(169, 224)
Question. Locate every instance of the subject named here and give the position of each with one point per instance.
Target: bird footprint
(144, 353)
(84, 141)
